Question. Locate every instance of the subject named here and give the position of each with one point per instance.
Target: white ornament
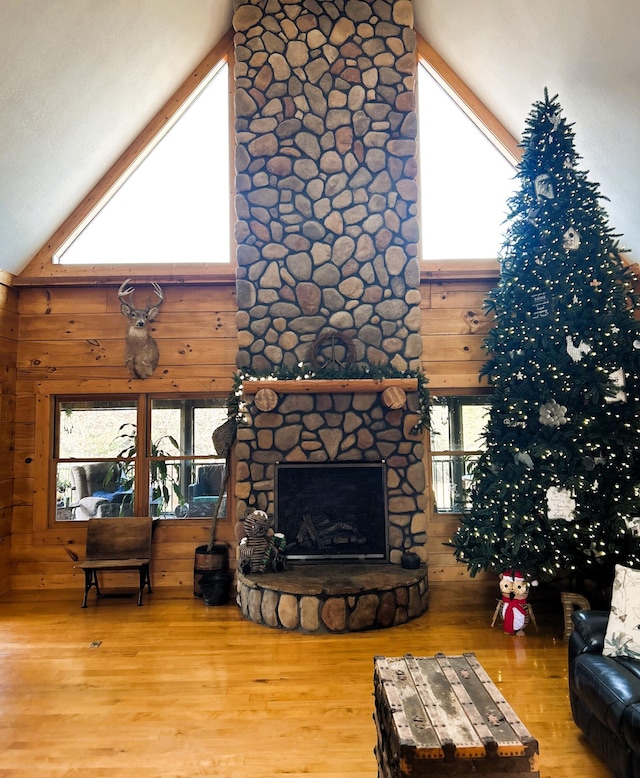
(552, 414)
(577, 352)
(571, 240)
(636, 343)
(532, 216)
(543, 186)
(560, 504)
(555, 119)
(633, 525)
(525, 458)
(618, 380)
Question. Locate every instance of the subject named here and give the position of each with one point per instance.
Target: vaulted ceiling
(79, 79)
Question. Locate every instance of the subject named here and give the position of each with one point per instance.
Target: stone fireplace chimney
(327, 236)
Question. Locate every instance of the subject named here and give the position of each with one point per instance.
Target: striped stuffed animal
(261, 550)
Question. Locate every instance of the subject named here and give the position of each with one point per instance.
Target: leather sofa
(604, 692)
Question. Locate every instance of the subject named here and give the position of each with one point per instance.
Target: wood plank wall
(76, 334)
(8, 351)
(453, 327)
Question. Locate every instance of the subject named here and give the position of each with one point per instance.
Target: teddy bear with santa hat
(514, 608)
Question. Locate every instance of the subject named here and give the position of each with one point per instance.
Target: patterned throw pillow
(623, 629)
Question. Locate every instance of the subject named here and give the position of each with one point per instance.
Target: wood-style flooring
(176, 689)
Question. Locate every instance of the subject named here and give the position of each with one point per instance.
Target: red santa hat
(513, 575)
(517, 576)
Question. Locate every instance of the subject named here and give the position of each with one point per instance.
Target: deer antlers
(122, 293)
(140, 349)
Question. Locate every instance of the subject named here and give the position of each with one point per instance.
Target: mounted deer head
(140, 349)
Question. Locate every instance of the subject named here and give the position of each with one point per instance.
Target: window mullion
(143, 449)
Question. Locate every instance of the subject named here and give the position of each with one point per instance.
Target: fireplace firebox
(332, 511)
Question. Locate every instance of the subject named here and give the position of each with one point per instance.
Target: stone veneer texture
(326, 180)
(327, 234)
(338, 427)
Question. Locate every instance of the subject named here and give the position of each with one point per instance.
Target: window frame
(456, 401)
(43, 268)
(46, 460)
(494, 131)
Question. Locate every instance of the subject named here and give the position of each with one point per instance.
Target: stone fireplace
(332, 511)
(328, 277)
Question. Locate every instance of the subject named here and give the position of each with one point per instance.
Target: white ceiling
(79, 79)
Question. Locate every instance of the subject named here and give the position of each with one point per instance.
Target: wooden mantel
(329, 386)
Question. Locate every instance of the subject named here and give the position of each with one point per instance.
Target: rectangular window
(457, 426)
(126, 457)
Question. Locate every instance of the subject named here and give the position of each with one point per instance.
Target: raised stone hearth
(334, 598)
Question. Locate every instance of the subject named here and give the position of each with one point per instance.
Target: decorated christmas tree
(556, 493)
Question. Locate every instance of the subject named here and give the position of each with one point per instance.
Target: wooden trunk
(442, 716)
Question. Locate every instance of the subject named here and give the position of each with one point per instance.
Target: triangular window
(173, 204)
(465, 181)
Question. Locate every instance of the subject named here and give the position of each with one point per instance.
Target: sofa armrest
(589, 631)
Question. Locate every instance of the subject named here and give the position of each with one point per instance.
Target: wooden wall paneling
(72, 341)
(8, 299)
(6, 493)
(7, 409)
(453, 327)
(21, 523)
(455, 348)
(40, 356)
(444, 568)
(8, 379)
(459, 321)
(9, 325)
(63, 300)
(453, 376)
(45, 301)
(5, 562)
(8, 345)
(111, 326)
(6, 440)
(6, 514)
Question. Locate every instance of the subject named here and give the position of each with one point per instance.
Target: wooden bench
(443, 716)
(117, 544)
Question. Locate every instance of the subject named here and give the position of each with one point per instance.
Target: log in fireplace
(332, 511)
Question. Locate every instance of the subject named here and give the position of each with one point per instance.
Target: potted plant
(63, 489)
(211, 578)
(163, 475)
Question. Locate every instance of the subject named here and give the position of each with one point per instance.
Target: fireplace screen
(332, 510)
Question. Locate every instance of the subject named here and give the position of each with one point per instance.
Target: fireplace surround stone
(327, 240)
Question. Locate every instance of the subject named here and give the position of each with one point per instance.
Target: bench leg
(145, 579)
(90, 579)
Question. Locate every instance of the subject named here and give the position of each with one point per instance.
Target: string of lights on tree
(556, 492)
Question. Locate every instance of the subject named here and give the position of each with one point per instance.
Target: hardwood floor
(177, 689)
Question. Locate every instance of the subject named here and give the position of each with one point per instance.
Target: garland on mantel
(305, 372)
